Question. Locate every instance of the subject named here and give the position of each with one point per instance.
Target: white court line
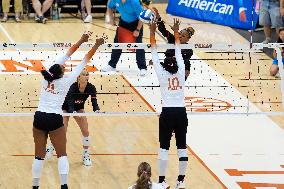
(7, 34)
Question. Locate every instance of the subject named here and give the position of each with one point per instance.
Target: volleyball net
(225, 79)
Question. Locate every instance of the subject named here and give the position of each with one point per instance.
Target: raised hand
(156, 13)
(175, 27)
(99, 41)
(85, 37)
(153, 26)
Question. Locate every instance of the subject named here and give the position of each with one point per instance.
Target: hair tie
(50, 73)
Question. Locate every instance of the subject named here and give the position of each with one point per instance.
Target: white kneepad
(63, 165)
(182, 153)
(37, 167)
(163, 154)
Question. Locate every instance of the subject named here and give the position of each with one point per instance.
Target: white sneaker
(267, 40)
(88, 19)
(49, 152)
(180, 185)
(86, 159)
(108, 68)
(165, 185)
(143, 72)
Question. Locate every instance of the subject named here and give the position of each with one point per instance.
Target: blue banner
(233, 13)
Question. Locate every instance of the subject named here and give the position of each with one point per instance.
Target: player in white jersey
(48, 119)
(171, 74)
(144, 178)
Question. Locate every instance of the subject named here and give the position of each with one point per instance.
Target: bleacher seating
(67, 6)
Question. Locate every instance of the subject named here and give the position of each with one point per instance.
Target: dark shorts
(131, 26)
(47, 121)
(173, 119)
(187, 66)
(77, 107)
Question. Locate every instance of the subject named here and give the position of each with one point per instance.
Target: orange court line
(236, 172)
(207, 168)
(135, 90)
(102, 154)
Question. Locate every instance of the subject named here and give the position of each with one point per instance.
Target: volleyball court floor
(230, 145)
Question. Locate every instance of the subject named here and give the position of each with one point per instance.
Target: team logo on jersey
(79, 101)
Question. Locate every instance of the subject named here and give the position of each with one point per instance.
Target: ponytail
(54, 72)
(144, 175)
(46, 75)
(143, 181)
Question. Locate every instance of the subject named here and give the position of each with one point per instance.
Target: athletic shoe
(143, 72)
(267, 40)
(49, 152)
(165, 185)
(180, 185)
(86, 159)
(37, 19)
(35, 187)
(40, 19)
(88, 19)
(108, 68)
(18, 19)
(4, 19)
(64, 186)
(43, 20)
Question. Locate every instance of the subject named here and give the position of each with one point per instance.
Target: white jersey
(154, 186)
(171, 85)
(53, 93)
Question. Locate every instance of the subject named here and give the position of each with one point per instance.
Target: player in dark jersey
(74, 102)
(185, 35)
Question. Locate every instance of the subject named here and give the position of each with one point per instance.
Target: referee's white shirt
(171, 85)
(53, 94)
(154, 186)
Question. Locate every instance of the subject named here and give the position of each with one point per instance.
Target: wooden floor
(119, 144)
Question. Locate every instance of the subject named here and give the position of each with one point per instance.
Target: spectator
(40, 8)
(144, 178)
(270, 16)
(18, 7)
(274, 67)
(86, 6)
(129, 20)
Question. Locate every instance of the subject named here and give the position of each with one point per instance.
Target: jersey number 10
(173, 84)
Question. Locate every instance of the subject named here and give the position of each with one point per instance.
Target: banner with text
(233, 13)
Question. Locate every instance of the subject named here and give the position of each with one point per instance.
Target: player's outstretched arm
(84, 38)
(76, 72)
(178, 55)
(153, 26)
(175, 28)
